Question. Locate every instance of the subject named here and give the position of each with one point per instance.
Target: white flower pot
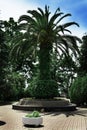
(32, 120)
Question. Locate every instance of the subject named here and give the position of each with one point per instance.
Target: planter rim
(32, 117)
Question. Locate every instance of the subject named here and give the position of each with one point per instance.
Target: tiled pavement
(76, 120)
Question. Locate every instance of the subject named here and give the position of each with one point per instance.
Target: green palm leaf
(26, 18)
(34, 13)
(69, 24)
(63, 18)
(54, 17)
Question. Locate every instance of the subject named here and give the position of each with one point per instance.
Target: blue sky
(78, 9)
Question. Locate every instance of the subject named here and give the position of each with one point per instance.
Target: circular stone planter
(48, 105)
(32, 120)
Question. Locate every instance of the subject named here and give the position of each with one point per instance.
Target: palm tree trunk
(44, 87)
(45, 61)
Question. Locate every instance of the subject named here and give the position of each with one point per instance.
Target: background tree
(23, 64)
(10, 29)
(42, 35)
(80, 84)
(83, 57)
(3, 62)
(64, 71)
(11, 79)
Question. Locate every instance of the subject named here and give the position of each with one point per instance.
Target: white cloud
(15, 8)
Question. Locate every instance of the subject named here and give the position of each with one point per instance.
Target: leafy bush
(43, 89)
(78, 91)
(13, 89)
(27, 92)
(9, 93)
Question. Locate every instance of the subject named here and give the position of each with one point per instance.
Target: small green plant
(33, 114)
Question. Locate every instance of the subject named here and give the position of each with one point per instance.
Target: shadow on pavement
(2, 123)
(33, 126)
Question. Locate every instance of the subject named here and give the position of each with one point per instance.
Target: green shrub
(78, 91)
(9, 93)
(13, 89)
(27, 92)
(43, 89)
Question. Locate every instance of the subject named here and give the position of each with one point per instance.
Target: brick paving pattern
(76, 120)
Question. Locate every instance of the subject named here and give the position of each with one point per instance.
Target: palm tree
(42, 35)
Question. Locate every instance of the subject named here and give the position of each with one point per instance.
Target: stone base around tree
(44, 105)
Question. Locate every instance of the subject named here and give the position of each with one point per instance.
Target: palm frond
(72, 43)
(23, 26)
(47, 11)
(63, 50)
(69, 24)
(35, 14)
(66, 30)
(27, 19)
(41, 11)
(66, 15)
(53, 18)
(57, 10)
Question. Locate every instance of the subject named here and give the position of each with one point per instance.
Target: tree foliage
(3, 62)
(83, 57)
(11, 83)
(78, 91)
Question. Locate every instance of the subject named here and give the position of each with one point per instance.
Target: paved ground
(51, 121)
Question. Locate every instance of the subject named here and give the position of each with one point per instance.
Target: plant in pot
(33, 118)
